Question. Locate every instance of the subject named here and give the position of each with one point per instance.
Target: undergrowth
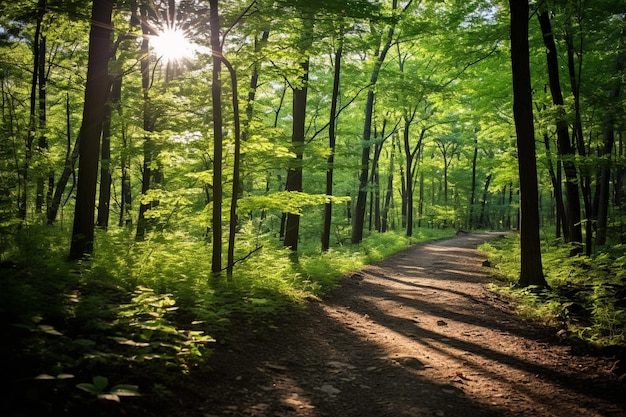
(587, 295)
(137, 316)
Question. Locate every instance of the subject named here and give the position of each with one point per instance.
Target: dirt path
(414, 335)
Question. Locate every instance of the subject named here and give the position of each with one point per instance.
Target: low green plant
(99, 387)
(148, 312)
(586, 294)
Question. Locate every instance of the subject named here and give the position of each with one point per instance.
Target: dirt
(415, 335)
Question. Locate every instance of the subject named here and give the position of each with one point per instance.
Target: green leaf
(100, 382)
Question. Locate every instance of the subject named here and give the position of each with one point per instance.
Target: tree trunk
(144, 224)
(585, 177)
(388, 190)
(605, 169)
(358, 218)
(332, 139)
(254, 81)
(531, 272)
(483, 204)
(32, 123)
(233, 219)
(473, 191)
(294, 174)
(42, 145)
(561, 218)
(408, 155)
(564, 144)
(216, 94)
(71, 155)
(96, 94)
(126, 203)
(104, 198)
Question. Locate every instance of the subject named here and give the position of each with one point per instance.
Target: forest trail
(414, 335)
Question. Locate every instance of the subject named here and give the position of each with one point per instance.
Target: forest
(173, 172)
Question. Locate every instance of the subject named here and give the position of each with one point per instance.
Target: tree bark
(483, 204)
(531, 272)
(473, 190)
(42, 144)
(332, 139)
(32, 123)
(144, 224)
(104, 198)
(96, 94)
(71, 155)
(234, 198)
(294, 174)
(565, 149)
(561, 218)
(216, 94)
(605, 169)
(358, 218)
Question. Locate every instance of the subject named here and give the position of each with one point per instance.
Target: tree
(563, 138)
(358, 222)
(294, 174)
(332, 141)
(531, 271)
(96, 95)
(149, 175)
(216, 94)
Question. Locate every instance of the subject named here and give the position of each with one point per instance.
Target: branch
(258, 248)
(237, 21)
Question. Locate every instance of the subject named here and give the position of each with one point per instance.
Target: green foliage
(146, 313)
(587, 295)
(99, 385)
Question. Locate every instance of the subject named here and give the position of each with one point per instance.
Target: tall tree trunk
(620, 174)
(388, 190)
(473, 191)
(216, 95)
(561, 218)
(32, 123)
(96, 94)
(483, 203)
(358, 218)
(531, 272)
(143, 223)
(254, 82)
(332, 139)
(408, 154)
(585, 176)
(563, 138)
(605, 169)
(42, 145)
(294, 174)
(234, 221)
(420, 204)
(126, 198)
(376, 186)
(104, 197)
(71, 156)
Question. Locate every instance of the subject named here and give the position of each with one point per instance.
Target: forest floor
(417, 334)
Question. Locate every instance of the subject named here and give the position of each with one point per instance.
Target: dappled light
(390, 342)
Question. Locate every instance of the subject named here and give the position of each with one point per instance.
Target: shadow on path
(414, 335)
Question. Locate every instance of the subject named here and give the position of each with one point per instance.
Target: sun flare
(172, 44)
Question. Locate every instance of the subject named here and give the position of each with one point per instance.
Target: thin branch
(245, 257)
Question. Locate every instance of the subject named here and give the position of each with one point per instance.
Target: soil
(417, 334)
